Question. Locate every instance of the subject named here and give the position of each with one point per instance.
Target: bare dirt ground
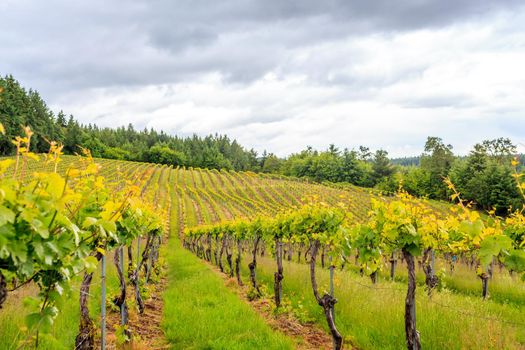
(307, 336)
(148, 335)
(146, 328)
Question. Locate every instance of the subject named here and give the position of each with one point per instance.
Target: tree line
(483, 177)
(20, 107)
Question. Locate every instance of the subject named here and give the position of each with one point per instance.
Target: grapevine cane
(433, 261)
(148, 269)
(123, 313)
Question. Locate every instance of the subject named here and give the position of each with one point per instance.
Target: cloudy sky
(279, 74)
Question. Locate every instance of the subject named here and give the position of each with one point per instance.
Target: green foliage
(20, 108)
(253, 294)
(437, 159)
(164, 155)
(484, 177)
(515, 261)
(122, 334)
(311, 222)
(381, 166)
(52, 225)
(493, 246)
(485, 182)
(116, 153)
(334, 166)
(270, 163)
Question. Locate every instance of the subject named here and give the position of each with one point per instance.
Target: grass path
(200, 312)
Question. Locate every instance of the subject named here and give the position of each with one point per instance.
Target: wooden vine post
(103, 304)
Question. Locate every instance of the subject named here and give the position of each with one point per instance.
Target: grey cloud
(115, 62)
(440, 101)
(56, 46)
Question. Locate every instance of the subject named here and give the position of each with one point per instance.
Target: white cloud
(463, 82)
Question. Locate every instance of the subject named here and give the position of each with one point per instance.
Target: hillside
(181, 299)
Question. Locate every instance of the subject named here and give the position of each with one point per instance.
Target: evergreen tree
(437, 159)
(381, 166)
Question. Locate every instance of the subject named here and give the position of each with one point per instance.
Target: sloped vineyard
(65, 219)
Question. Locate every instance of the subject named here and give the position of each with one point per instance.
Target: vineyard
(103, 253)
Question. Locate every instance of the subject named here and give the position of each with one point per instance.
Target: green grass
(200, 312)
(503, 288)
(371, 317)
(12, 321)
(66, 324)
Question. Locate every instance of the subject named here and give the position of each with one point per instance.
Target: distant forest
(406, 161)
(484, 176)
(409, 161)
(20, 107)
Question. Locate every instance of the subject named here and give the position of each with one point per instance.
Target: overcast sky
(278, 74)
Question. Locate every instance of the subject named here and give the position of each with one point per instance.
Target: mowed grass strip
(200, 312)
